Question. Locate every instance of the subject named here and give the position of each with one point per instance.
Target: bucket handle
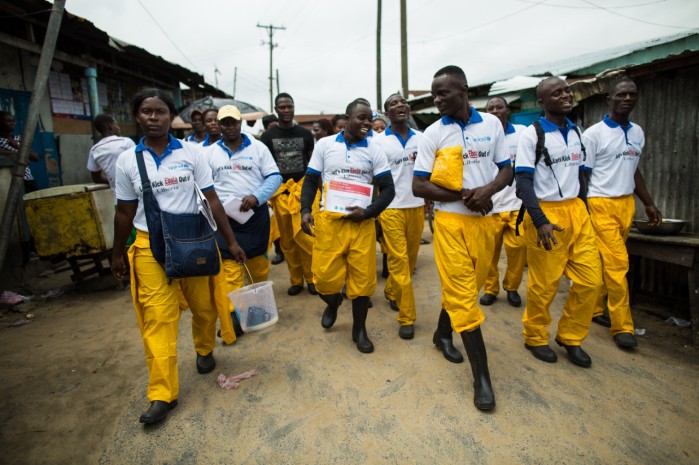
(251, 281)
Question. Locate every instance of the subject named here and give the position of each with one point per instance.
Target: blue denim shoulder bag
(184, 243)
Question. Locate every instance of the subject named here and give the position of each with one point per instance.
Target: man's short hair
(613, 86)
(498, 97)
(454, 71)
(282, 95)
(540, 85)
(102, 122)
(355, 103)
(385, 103)
(268, 119)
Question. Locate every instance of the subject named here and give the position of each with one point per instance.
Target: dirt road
(73, 386)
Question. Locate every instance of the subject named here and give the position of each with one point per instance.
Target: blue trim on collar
(341, 138)
(172, 145)
(548, 126)
(246, 143)
(389, 132)
(475, 118)
(510, 129)
(613, 124)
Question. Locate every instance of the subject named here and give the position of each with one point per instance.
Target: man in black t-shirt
(291, 146)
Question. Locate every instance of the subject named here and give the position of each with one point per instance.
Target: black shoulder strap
(582, 146)
(541, 150)
(145, 182)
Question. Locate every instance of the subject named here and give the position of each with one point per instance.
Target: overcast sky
(326, 56)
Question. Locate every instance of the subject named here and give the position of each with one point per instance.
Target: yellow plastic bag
(448, 168)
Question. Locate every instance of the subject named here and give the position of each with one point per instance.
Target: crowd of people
(322, 197)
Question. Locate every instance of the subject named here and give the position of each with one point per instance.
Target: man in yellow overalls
(455, 167)
(291, 146)
(344, 249)
(614, 147)
(549, 185)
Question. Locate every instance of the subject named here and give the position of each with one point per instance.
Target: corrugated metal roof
(514, 84)
(572, 65)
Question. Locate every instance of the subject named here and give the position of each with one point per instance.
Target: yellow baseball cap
(229, 111)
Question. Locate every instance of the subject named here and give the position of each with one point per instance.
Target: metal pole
(235, 79)
(404, 47)
(42, 74)
(277, 81)
(91, 77)
(379, 100)
(270, 32)
(271, 81)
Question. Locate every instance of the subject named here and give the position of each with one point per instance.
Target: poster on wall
(70, 97)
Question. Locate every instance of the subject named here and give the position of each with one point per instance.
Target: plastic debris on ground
(52, 294)
(232, 382)
(682, 323)
(11, 298)
(20, 322)
(639, 332)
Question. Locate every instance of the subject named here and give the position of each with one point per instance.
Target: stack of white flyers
(232, 208)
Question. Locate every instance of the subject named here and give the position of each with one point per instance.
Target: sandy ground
(73, 387)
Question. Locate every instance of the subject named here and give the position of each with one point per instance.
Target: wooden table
(682, 250)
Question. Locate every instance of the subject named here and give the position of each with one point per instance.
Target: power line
(166, 35)
(580, 7)
(636, 19)
(488, 23)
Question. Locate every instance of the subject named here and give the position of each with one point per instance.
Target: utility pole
(42, 75)
(378, 57)
(216, 73)
(235, 79)
(270, 32)
(404, 48)
(277, 81)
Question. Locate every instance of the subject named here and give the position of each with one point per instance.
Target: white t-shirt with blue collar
(566, 155)
(613, 153)
(482, 142)
(506, 200)
(335, 160)
(172, 178)
(243, 172)
(401, 156)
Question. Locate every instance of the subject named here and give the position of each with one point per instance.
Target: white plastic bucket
(255, 306)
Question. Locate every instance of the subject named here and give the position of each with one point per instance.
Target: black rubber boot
(442, 339)
(330, 314)
(360, 309)
(483, 396)
(384, 266)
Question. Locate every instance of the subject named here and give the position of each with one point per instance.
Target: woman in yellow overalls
(174, 169)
